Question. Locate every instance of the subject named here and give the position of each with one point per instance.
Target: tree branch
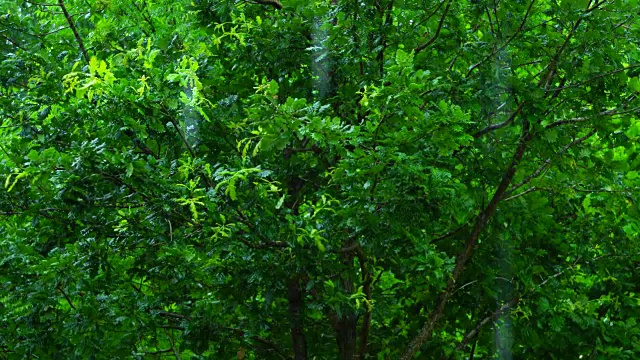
(585, 118)
(437, 34)
(522, 193)
(548, 161)
(500, 125)
(13, 42)
(462, 259)
(173, 315)
(65, 296)
(476, 330)
(275, 3)
(182, 136)
(430, 15)
(172, 343)
(75, 31)
(266, 243)
(39, 4)
(594, 78)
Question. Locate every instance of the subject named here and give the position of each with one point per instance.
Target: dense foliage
(374, 179)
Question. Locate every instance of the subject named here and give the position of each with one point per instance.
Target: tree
(332, 179)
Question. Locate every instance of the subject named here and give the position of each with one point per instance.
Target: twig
(522, 193)
(467, 284)
(524, 21)
(506, 307)
(146, 17)
(158, 352)
(367, 281)
(173, 315)
(266, 243)
(182, 136)
(430, 15)
(449, 234)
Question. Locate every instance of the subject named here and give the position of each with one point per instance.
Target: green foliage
(319, 180)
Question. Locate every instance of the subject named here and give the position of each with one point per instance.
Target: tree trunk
(346, 336)
(297, 323)
(345, 322)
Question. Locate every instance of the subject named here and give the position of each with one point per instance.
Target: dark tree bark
(296, 298)
(345, 324)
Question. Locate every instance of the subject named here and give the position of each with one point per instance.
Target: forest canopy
(372, 179)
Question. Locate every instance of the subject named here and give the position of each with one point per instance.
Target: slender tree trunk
(346, 322)
(296, 297)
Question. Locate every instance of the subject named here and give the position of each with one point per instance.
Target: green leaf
(281, 201)
(404, 59)
(634, 84)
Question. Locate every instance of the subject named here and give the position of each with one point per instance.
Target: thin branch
(75, 31)
(272, 346)
(476, 330)
(367, 281)
(39, 4)
(449, 234)
(548, 161)
(158, 352)
(500, 125)
(595, 6)
(146, 17)
(524, 21)
(182, 136)
(275, 3)
(532, 189)
(174, 315)
(13, 42)
(66, 297)
(465, 285)
(266, 243)
(172, 343)
(430, 15)
(594, 78)
(585, 118)
(437, 34)
(508, 306)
